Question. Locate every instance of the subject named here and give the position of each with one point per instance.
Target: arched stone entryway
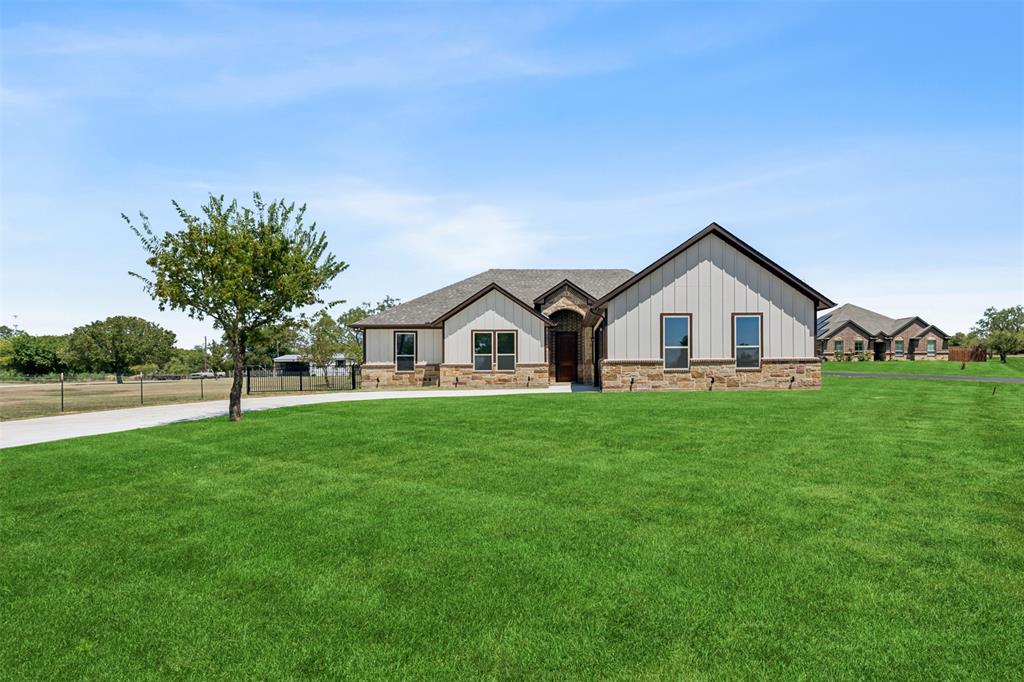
(574, 322)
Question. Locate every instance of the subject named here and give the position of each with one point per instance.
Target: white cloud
(453, 235)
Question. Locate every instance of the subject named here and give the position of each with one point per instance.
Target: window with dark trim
(405, 351)
(837, 346)
(483, 351)
(747, 334)
(899, 347)
(675, 341)
(931, 346)
(858, 346)
(494, 351)
(505, 351)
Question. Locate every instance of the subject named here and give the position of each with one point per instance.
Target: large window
(858, 346)
(676, 341)
(483, 351)
(931, 346)
(837, 346)
(494, 350)
(506, 351)
(899, 347)
(748, 341)
(405, 351)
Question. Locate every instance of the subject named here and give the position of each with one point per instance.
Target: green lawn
(874, 529)
(1013, 367)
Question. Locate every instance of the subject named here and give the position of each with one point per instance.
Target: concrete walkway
(940, 377)
(45, 429)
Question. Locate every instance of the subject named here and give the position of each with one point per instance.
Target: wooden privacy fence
(960, 354)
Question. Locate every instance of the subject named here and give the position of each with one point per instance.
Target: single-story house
(851, 331)
(713, 313)
(292, 364)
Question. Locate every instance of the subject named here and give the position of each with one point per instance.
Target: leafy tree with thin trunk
(118, 343)
(321, 340)
(244, 268)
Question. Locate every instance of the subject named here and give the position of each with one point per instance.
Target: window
(676, 341)
(837, 346)
(858, 346)
(405, 351)
(748, 341)
(931, 346)
(899, 347)
(483, 350)
(506, 345)
(494, 350)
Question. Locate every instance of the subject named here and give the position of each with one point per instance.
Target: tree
(965, 340)
(245, 268)
(352, 339)
(118, 343)
(266, 343)
(1004, 341)
(1002, 330)
(183, 361)
(321, 340)
(1011, 319)
(30, 354)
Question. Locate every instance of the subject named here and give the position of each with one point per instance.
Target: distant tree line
(123, 345)
(1000, 331)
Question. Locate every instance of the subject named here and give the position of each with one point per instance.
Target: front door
(565, 356)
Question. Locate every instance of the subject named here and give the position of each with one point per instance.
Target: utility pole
(205, 367)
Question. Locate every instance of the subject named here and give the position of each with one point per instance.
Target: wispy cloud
(439, 233)
(272, 57)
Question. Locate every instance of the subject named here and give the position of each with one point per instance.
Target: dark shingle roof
(868, 320)
(526, 285)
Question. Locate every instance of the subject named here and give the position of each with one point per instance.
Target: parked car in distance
(206, 374)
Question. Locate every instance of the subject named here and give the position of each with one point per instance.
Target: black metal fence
(259, 380)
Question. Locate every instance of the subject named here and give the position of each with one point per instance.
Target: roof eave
(493, 286)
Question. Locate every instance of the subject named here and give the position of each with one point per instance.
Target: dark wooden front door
(565, 356)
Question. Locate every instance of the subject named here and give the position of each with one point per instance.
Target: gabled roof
(932, 328)
(483, 292)
(875, 324)
(905, 322)
(821, 302)
(564, 283)
(524, 285)
(851, 323)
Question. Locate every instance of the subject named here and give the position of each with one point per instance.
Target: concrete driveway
(45, 429)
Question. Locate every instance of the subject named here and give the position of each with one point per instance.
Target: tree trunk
(1002, 356)
(120, 377)
(235, 397)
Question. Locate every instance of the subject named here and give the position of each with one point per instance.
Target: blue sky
(875, 150)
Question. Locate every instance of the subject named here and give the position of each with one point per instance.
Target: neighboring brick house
(711, 314)
(850, 331)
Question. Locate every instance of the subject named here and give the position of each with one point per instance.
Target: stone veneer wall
(445, 376)
(527, 375)
(716, 375)
(385, 376)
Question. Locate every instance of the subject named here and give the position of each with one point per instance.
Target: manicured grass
(869, 530)
(1013, 367)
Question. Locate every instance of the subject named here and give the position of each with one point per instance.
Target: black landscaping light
(791, 380)
(631, 380)
(712, 384)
